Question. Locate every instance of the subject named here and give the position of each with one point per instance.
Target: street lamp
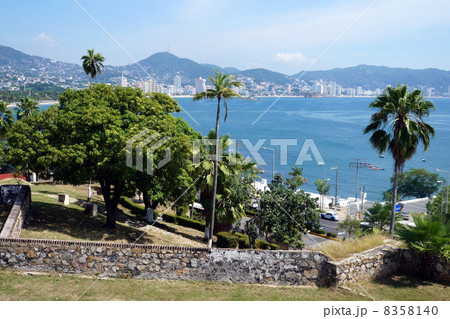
(446, 201)
(273, 160)
(322, 164)
(336, 190)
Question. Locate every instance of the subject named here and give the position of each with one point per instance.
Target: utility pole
(363, 190)
(336, 189)
(361, 164)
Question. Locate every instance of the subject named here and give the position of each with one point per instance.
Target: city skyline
(285, 37)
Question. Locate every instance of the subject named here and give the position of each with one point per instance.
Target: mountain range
(163, 66)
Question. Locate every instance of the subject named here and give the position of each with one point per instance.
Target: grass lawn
(19, 286)
(52, 220)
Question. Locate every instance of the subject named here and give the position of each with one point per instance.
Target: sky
(285, 36)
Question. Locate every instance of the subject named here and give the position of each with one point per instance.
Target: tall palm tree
(26, 107)
(297, 178)
(92, 63)
(398, 126)
(222, 91)
(6, 119)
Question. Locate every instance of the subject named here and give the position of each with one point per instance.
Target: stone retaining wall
(20, 214)
(374, 263)
(164, 262)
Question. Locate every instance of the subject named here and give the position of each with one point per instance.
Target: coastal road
(311, 241)
(329, 225)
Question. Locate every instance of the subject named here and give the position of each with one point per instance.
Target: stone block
(63, 198)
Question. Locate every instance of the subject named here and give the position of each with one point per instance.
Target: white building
(200, 85)
(177, 83)
(359, 90)
(122, 81)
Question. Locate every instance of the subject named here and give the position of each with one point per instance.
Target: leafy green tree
(222, 90)
(323, 188)
(91, 130)
(417, 182)
(398, 126)
(92, 63)
(284, 212)
(174, 181)
(26, 107)
(379, 215)
(29, 143)
(350, 225)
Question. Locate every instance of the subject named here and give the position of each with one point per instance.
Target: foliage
(323, 188)
(379, 215)
(30, 143)
(297, 179)
(135, 208)
(438, 205)
(252, 231)
(331, 234)
(92, 63)
(37, 91)
(6, 119)
(417, 182)
(284, 213)
(184, 221)
(26, 107)
(232, 240)
(431, 234)
(398, 126)
(350, 226)
(222, 90)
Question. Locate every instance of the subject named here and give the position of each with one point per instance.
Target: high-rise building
(177, 82)
(122, 81)
(338, 90)
(200, 85)
(359, 90)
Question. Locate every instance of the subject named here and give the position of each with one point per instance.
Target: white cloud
(45, 39)
(291, 58)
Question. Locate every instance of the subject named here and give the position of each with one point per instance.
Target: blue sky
(284, 36)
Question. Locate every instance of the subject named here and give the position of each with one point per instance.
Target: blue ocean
(336, 127)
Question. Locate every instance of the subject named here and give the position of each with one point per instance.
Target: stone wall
(426, 266)
(374, 263)
(164, 262)
(20, 214)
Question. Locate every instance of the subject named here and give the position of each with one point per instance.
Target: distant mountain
(163, 66)
(372, 77)
(29, 65)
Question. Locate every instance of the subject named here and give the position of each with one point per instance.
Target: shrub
(231, 240)
(331, 234)
(184, 221)
(135, 208)
(319, 231)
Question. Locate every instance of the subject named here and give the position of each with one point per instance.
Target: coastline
(52, 102)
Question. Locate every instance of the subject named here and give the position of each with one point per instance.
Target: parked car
(405, 215)
(330, 216)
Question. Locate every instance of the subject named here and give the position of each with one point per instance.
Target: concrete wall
(20, 214)
(164, 262)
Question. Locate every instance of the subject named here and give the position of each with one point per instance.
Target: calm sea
(335, 125)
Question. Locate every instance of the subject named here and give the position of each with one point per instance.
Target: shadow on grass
(175, 231)
(71, 221)
(402, 281)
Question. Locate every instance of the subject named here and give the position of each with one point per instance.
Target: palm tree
(26, 107)
(92, 63)
(323, 188)
(231, 170)
(398, 126)
(297, 178)
(222, 90)
(6, 119)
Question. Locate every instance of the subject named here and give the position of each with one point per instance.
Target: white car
(330, 216)
(405, 215)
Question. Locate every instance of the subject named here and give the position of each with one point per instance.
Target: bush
(184, 221)
(231, 240)
(319, 231)
(331, 234)
(135, 208)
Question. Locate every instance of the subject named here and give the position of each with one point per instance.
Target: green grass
(52, 220)
(19, 286)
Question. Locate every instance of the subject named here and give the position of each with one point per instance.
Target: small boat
(381, 155)
(424, 160)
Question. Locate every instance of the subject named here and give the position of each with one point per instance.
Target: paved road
(311, 241)
(330, 226)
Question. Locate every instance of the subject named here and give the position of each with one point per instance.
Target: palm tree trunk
(216, 170)
(394, 197)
